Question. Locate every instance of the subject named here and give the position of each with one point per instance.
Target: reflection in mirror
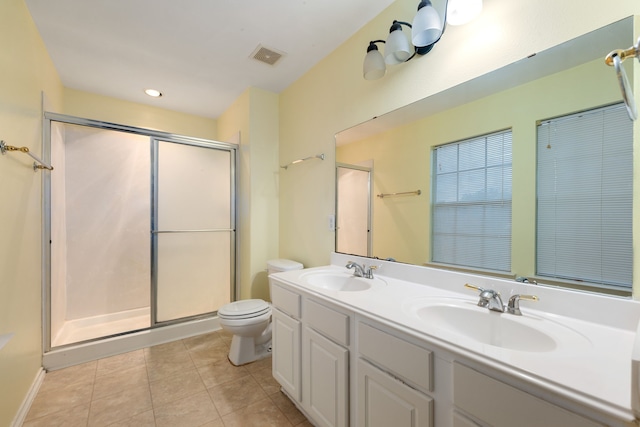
(566, 79)
(353, 209)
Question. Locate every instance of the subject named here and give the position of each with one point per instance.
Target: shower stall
(141, 230)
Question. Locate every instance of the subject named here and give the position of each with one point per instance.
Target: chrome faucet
(514, 303)
(491, 299)
(361, 270)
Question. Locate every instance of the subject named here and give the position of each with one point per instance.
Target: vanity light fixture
(426, 30)
(153, 93)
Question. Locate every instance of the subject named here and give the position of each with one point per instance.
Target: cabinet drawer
(329, 322)
(502, 405)
(286, 300)
(410, 363)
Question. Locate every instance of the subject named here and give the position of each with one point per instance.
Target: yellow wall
(402, 158)
(333, 96)
(253, 119)
(91, 106)
(25, 71)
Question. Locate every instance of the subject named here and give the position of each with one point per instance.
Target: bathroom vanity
(411, 347)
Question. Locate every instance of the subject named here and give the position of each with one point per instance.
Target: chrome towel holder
(38, 164)
(615, 59)
(295, 162)
(406, 193)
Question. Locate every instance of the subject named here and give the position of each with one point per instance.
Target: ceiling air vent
(266, 55)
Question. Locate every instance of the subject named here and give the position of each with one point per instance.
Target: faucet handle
(473, 287)
(513, 307)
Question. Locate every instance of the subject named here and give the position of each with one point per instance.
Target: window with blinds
(584, 206)
(471, 221)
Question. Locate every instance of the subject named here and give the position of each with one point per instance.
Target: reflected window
(471, 223)
(584, 191)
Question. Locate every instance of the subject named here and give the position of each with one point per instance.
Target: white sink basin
(342, 282)
(521, 333)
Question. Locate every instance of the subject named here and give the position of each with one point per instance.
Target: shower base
(88, 328)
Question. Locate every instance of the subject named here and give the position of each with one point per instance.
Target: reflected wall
(402, 158)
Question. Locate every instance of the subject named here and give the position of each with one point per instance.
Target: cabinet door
(286, 353)
(384, 401)
(325, 380)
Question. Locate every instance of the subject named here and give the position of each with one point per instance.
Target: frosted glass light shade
(397, 48)
(460, 12)
(426, 28)
(374, 66)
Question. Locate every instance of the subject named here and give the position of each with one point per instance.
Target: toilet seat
(244, 309)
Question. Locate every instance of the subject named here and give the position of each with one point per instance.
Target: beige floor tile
(167, 349)
(259, 364)
(63, 398)
(72, 375)
(119, 381)
(305, 423)
(117, 363)
(176, 387)
(264, 377)
(203, 342)
(259, 414)
(214, 374)
(166, 365)
(216, 423)
(225, 335)
(145, 419)
(162, 386)
(73, 417)
(287, 407)
(214, 354)
(120, 406)
(232, 396)
(193, 411)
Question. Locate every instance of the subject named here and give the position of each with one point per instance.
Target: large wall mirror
(396, 149)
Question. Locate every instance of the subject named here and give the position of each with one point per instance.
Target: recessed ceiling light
(154, 93)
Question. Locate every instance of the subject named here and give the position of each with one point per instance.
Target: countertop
(593, 368)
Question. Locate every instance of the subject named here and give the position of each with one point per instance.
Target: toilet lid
(244, 308)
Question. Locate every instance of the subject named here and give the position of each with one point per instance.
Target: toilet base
(244, 350)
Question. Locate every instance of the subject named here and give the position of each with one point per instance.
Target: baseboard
(18, 420)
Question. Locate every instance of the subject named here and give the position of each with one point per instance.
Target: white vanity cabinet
(358, 359)
(311, 340)
(325, 364)
(394, 378)
(286, 340)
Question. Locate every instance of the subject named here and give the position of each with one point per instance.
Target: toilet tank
(277, 265)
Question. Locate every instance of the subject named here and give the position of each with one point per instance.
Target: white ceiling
(197, 52)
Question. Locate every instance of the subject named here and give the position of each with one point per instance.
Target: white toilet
(250, 321)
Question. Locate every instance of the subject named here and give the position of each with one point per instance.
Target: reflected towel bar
(406, 193)
(295, 162)
(42, 165)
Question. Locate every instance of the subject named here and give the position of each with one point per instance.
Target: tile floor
(180, 384)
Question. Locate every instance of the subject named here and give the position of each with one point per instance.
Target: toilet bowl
(250, 322)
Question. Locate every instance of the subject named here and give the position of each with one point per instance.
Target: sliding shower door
(141, 226)
(194, 230)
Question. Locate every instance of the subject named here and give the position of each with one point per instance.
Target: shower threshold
(75, 354)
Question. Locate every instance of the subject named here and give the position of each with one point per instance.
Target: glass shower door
(193, 230)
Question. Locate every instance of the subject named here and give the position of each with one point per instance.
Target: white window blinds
(584, 207)
(471, 224)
